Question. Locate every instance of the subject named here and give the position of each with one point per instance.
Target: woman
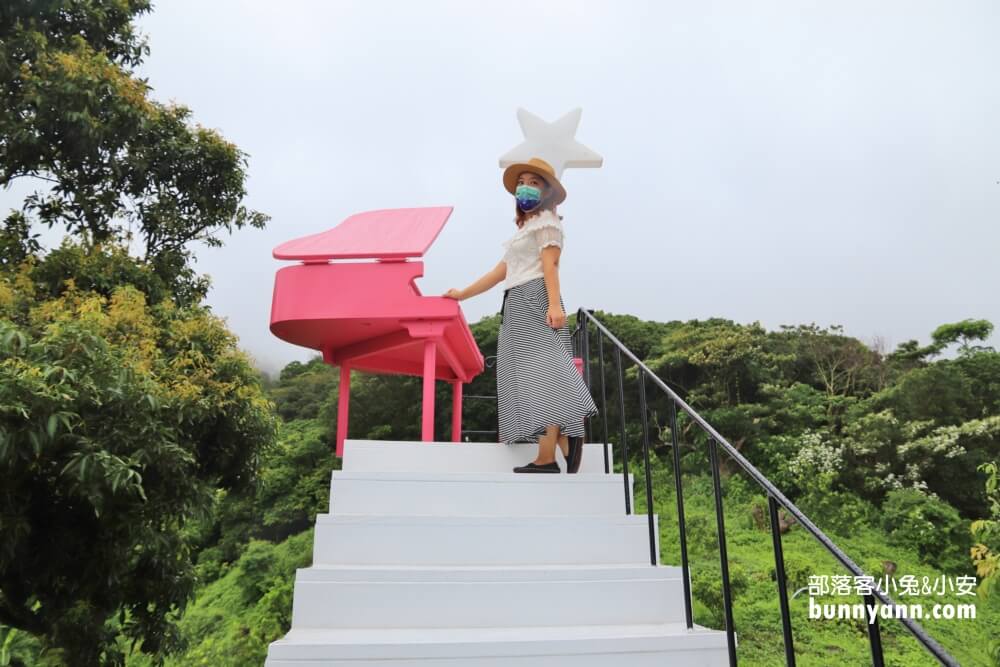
(541, 396)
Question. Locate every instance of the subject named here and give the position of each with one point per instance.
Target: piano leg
(456, 411)
(430, 351)
(343, 400)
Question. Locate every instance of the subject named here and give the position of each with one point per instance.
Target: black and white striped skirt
(538, 385)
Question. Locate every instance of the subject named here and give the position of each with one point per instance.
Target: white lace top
(523, 251)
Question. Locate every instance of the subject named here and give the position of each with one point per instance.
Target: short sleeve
(548, 235)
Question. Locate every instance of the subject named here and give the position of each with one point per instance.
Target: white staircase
(437, 554)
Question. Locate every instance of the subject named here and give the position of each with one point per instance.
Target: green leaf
(64, 417)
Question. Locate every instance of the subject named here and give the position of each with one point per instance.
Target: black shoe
(575, 455)
(532, 467)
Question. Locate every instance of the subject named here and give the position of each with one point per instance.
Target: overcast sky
(787, 162)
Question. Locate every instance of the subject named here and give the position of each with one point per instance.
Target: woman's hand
(556, 318)
(454, 294)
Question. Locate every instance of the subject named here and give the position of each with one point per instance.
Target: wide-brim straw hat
(540, 167)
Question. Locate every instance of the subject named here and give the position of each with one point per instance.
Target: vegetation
(125, 405)
(246, 552)
(157, 492)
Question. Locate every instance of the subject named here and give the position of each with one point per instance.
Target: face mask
(528, 197)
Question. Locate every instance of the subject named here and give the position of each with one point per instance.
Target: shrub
(929, 525)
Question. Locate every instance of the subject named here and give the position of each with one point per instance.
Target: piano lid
(392, 233)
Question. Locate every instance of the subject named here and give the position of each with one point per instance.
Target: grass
(756, 612)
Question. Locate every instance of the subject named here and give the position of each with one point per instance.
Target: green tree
(964, 333)
(115, 163)
(985, 552)
(118, 419)
(125, 405)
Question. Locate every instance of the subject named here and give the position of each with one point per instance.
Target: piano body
(370, 315)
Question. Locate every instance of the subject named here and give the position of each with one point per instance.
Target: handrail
(488, 397)
(775, 498)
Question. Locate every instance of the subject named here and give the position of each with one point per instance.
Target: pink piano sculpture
(370, 315)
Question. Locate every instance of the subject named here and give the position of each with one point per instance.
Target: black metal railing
(775, 498)
(490, 363)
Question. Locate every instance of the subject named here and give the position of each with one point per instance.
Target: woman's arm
(487, 281)
(550, 267)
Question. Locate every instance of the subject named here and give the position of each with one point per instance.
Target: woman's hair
(544, 205)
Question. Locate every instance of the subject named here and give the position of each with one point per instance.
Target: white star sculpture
(553, 142)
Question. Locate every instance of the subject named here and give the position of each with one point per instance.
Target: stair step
(487, 540)
(635, 645)
(408, 456)
(477, 493)
(495, 573)
(438, 555)
(481, 596)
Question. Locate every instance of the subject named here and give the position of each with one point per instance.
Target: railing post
(649, 479)
(621, 409)
(604, 401)
(578, 333)
(586, 373)
(779, 575)
(874, 636)
(682, 531)
(727, 601)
